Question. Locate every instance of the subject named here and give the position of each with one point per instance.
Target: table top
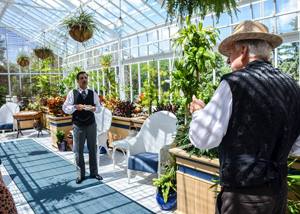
(23, 115)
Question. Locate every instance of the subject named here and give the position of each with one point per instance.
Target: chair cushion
(145, 162)
(6, 126)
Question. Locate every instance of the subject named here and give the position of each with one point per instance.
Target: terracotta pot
(80, 34)
(23, 62)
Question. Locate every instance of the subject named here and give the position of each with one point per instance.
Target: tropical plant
(23, 60)
(166, 183)
(195, 43)
(105, 62)
(293, 181)
(70, 80)
(181, 9)
(81, 26)
(150, 90)
(60, 135)
(43, 52)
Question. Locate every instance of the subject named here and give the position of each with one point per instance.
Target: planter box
(194, 175)
(59, 123)
(121, 126)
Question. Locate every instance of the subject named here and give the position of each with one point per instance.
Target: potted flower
(43, 52)
(166, 188)
(60, 135)
(23, 60)
(81, 27)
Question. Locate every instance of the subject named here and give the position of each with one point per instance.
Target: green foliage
(181, 9)
(198, 61)
(150, 89)
(105, 62)
(70, 79)
(289, 59)
(60, 136)
(84, 20)
(3, 92)
(167, 182)
(293, 182)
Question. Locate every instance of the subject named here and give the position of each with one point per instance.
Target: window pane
(268, 8)
(127, 82)
(287, 23)
(144, 74)
(288, 59)
(135, 81)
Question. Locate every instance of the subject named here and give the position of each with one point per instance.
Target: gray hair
(258, 48)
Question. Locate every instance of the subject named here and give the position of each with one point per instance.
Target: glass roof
(39, 21)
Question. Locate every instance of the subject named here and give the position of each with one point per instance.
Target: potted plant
(166, 188)
(23, 60)
(60, 135)
(81, 27)
(43, 52)
(181, 9)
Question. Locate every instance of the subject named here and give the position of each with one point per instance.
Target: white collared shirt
(209, 125)
(69, 107)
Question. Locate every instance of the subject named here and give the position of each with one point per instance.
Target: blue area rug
(47, 182)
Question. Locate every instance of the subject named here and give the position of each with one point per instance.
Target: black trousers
(269, 199)
(88, 134)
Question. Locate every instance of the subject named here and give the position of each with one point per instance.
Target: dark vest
(263, 127)
(83, 118)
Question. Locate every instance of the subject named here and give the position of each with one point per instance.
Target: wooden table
(25, 116)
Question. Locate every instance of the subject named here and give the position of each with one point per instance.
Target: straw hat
(249, 30)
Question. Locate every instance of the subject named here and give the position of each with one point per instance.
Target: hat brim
(225, 46)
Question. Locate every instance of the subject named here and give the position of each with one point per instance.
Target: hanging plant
(181, 9)
(23, 60)
(81, 27)
(43, 52)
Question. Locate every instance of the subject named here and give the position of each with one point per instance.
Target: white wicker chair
(6, 116)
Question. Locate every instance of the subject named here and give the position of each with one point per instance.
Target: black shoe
(79, 180)
(98, 177)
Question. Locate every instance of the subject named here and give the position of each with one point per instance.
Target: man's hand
(196, 104)
(93, 109)
(79, 107)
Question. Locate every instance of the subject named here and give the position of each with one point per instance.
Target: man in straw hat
(254, 118)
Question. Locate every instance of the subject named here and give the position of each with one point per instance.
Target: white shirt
(69, 107)
(209, 125)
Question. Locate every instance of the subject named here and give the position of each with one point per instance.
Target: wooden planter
(121, 126)
(23, 62)
(194, 182)
(59, 123)
(42, 53)
(80, 34)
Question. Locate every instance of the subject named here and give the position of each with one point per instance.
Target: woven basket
(80, 34)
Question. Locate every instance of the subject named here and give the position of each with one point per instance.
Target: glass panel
(135, 52)
(153, 49)
(144, 74)
(164, 79)
(288, 59)
(125, 43)
(152, 36)
(164, 34)
(134, 41)
(286, 5)
(224, 20)
(164, 46)
(224, 32)
(15, 85)
(135, 81)
(256, 8)
(143, 39)
(270, 24)
(244, 13)
(143, 50)
(208, 21)
(268, 8)
(3, 88)
(287, 23)
(126, 82)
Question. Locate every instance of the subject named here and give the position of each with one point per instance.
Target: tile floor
(140, 188)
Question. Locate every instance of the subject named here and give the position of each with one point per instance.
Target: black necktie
(83, 95)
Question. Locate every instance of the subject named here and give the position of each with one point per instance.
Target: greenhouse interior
(150, 106)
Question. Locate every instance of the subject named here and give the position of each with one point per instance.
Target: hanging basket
(80, 34)
(43, 53)
(23, 61)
